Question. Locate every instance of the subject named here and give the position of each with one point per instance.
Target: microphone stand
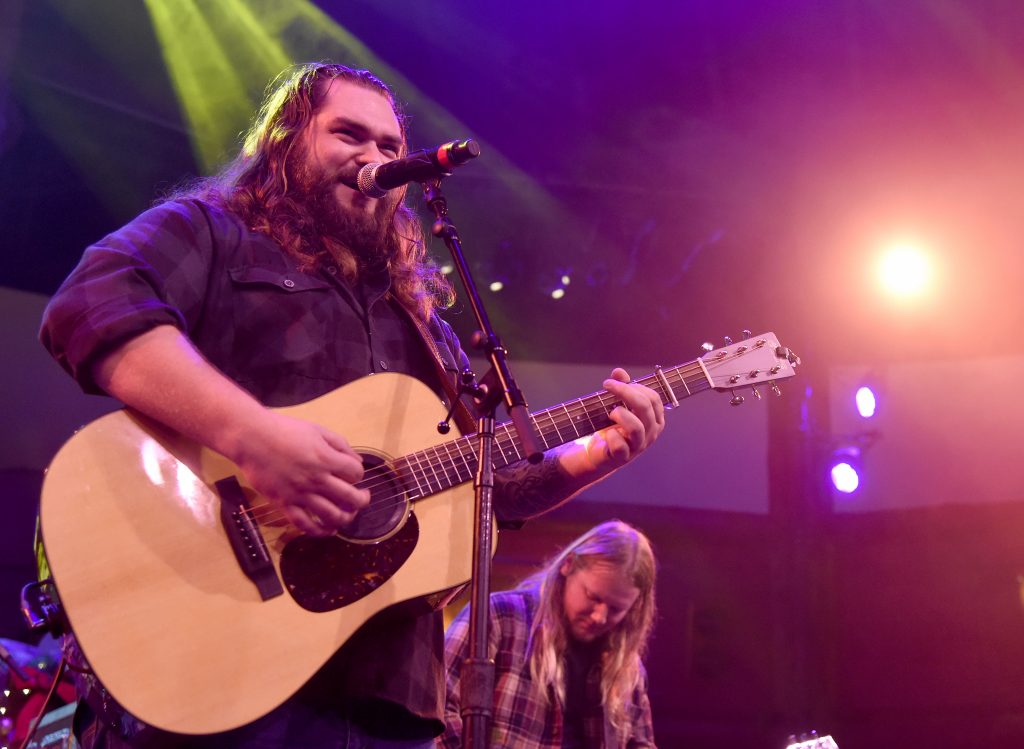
(477, 679)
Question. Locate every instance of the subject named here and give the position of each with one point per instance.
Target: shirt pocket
(255, 277)
(281, 318)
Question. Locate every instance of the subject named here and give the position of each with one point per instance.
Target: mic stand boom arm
(477, 680)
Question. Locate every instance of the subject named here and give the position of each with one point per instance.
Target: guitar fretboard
(451, 463)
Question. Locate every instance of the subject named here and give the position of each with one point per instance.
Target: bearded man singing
(267, 285)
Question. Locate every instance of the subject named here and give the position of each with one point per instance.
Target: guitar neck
(578, 418)
(452, 463)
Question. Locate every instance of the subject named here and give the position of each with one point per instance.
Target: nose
(600, 614)
(370, 153)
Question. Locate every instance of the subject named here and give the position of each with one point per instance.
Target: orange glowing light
(905, 270)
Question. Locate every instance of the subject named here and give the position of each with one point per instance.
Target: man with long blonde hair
(271, 284)
(567, 645)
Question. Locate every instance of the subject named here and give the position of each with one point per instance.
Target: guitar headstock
(750, 362)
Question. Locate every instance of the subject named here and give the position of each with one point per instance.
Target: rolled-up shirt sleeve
(151, 272)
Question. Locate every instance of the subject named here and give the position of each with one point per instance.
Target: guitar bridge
(246, 540)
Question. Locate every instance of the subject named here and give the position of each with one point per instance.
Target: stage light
(447, 269)
(866, 402)
(558, 282)
(846, 465)
(905, 270)
(496, 286)
(845, 469)
(812, 741)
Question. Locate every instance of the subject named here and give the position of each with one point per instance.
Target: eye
(389, 150)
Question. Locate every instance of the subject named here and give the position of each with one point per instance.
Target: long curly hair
(619, 544)
(255, 186)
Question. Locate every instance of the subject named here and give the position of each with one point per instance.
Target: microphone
(374, 180)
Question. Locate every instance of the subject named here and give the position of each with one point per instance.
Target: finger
(329, 512)
(641, 401)
(340, 459)
(347, 469)
(617, 445)
(630, 431)
(340, 444)
(307, 522)
(620, 375)
(342, 495)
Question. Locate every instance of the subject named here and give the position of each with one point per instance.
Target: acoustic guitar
(201, 609)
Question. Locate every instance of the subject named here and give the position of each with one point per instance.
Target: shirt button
(289, 283)
(383, 364)
(332, 269)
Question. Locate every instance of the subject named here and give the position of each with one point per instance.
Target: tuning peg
(746, 333)
(707, 347)
(756, 393)
(775, 388)
(737, 400)
(784, 353)
(728, 340)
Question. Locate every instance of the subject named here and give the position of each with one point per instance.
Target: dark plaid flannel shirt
(284, 335)
(521, 719)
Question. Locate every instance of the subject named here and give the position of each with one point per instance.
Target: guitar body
(131, 522)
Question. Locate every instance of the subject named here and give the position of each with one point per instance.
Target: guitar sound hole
(388, 506)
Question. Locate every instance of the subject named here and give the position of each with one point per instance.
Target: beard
(364, 235)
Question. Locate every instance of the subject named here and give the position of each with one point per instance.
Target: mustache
(349, 179)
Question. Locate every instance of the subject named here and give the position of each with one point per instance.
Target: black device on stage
(374, 180)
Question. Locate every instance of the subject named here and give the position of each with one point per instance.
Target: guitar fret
(571, 422)
(439, 463)
(504, 435)
(558, 437)
(416, 474)
(682, 380)
(590, 417)
(403, 468)
(427, 476)
(433, 475)
(451, 469)
(463, 443)
(670, 399)
(580, 409)
(445, 462)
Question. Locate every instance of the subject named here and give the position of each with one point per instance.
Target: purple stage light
(845, 478)
(866, 402)
(845, 469)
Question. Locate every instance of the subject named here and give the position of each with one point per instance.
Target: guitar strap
(464, 419)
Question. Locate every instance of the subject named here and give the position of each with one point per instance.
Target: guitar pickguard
(324, 574)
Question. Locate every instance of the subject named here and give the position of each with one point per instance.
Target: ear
(568, 564)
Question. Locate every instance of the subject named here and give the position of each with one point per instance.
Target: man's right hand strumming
(305, 469)
(301, 467)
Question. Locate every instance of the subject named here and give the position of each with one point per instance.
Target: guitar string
(391, 473)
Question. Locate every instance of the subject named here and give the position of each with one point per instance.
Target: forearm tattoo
(522, 490)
